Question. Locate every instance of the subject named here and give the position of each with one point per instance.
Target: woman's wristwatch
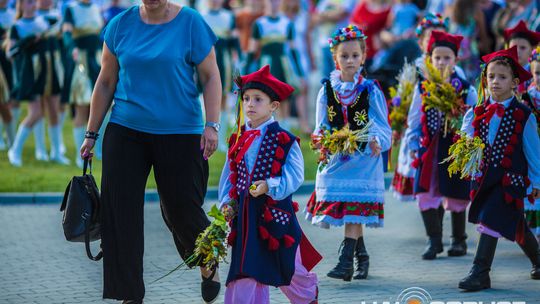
(91, 135)
(215, 125)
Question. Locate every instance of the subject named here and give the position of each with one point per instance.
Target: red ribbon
(245, 141)
(492, 109)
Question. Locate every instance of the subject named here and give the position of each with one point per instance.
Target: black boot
(345, 268)
(478, 277)
(434, 231)
(459, 245)
(530, 248)
(362, 260)
(441, 216)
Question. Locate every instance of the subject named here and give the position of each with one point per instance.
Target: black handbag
(81, 207)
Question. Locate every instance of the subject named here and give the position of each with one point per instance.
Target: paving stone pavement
(37, 265)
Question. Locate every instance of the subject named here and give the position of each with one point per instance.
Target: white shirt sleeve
(292, 175)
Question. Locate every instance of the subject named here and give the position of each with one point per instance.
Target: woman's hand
(375, 148)
(86, 148)
(209, 142)
(261, 187)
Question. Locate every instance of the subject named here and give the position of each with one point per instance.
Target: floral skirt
(326, 214)
(402, 187)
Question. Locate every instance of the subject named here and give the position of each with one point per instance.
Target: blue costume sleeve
(292, 175)
(378, 114)
(531, 146)
(224, 185)
(472, 97)
(466, 125)
(414, 128)
(321, 114)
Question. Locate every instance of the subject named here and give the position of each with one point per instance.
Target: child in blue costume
(510, 164)
(349, 189)
(264, 168)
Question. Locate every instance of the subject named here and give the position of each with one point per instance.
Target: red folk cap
(439, 38)
(262, 80)
(509, 54)
(522, 31)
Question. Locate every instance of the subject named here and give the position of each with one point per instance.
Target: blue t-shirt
(156, 91)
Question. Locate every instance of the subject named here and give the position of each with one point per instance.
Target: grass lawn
(36, 176)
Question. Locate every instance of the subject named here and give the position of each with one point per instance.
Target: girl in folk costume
(51, 96)
(26, 46)
(510, 162)
(272, 38)
(532, 209)
(349, 188)
(403, 180)
(525, 40)
(7, 18)
(81, 28)
(228, 52)
(431, 128)
(264, 167)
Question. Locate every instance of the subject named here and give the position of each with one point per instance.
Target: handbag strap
(87, 164)
(87, 243)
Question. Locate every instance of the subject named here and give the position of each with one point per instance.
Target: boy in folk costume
(403, 180)
(532, 208)
(525, 40)
(429, 135)
(510, 162)
(264, 167)
(349, 188)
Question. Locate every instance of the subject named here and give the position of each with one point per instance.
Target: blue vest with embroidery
(497, 196)
(266, 232)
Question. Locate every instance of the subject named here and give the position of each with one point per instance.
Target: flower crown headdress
(431, 20)
(350, 32)
(535, 56)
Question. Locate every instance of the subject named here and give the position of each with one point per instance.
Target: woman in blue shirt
(150, 55)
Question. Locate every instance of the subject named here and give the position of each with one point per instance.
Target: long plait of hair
(239, 110)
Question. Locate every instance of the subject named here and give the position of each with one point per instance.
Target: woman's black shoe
(210, 289)
(345, 268)
(132, 302)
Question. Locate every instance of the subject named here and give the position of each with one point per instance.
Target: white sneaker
(42, 156)
(14, 159)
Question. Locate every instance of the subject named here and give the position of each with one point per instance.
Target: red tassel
(267, 215)
(423, 119)
(476, 133)
(232, 139)
(233, 177)
(276, 167)
(476, 123)
(509, 150)
(288, 241)
(506, 181)
(506, 162)
(232, 193)
(425, 142)
(263, 233)
(295, 206)
(518, 128)
(508, 198)
(530, 198)
(479, 110)
(232, 165)
(415, 163)
(425, 129)
(472, 194)
(231, 237)
(283, 138)
(518, 115)
(273, 243)
(513, 139)
(527, 181)
(423, 108)
(280, 153)
(519, 203)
